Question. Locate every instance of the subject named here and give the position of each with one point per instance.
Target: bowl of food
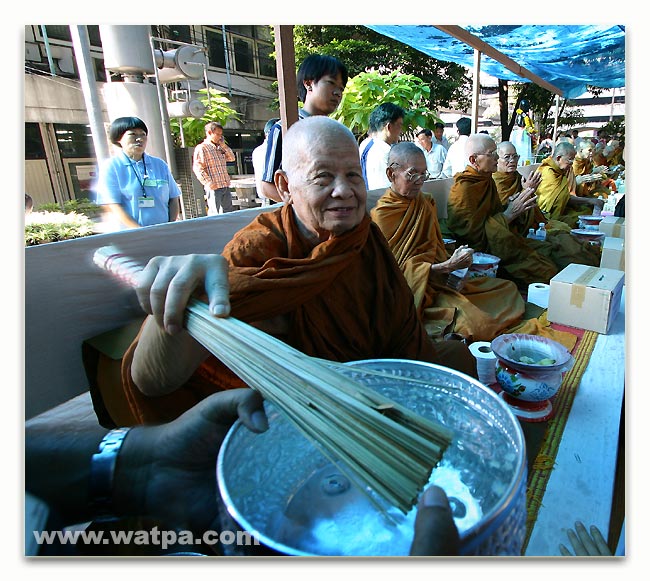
(591, 236)
(530, 368)
(483, 265)
(589, 222)
(279, 486)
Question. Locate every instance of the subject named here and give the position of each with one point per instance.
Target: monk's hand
(462, 257)
(585, 544)
(533, 181)
(166, 284)
(523, 202)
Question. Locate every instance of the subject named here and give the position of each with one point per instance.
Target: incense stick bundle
(383, 445)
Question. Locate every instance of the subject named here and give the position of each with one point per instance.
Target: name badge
(146, 202)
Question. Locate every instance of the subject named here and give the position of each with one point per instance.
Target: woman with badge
(138, 189)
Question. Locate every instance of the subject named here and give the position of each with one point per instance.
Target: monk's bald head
(404, 153)
(479, 143)
(312, 137)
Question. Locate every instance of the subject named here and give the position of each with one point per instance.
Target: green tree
(217, 109)
(366, 90)
(363, 49)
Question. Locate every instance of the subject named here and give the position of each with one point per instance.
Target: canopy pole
(557, 118)
(286, 63)
(476, 90)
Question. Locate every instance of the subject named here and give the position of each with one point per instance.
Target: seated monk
(556, 193)
(484, 306)
(589, 178)
(564, 248)
(476, 216)
(315, 273)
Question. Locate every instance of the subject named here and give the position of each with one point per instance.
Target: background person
(258, 161)
(384, 130)
(209, 166)
(321, 80)
(456, 160)
(137, 188)
(439, 135)
(434, 153)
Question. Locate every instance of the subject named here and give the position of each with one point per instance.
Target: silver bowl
(282, 490)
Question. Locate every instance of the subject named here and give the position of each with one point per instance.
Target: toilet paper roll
(538, 294)
(486, 361)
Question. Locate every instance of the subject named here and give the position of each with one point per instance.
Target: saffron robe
(475, 217)
(345, 299)
(582, 167)
(480, 311)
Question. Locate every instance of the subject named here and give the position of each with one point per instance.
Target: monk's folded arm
(161, 362)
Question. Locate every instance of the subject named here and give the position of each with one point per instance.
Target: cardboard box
(613, 226)
(613, 253)
(586, 297)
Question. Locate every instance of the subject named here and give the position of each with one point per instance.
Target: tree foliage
(366, 90)
(363, 49)
(217, 109)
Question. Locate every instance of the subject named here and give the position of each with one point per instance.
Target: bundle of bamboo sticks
(383, 445)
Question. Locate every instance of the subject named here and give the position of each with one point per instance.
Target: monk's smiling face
(322, 178)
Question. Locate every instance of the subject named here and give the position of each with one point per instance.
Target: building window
(214, 43)
(74, 140)
(267, 63)
(244, 61)
(34, 148)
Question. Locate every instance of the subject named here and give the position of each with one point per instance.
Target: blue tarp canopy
(569, 57)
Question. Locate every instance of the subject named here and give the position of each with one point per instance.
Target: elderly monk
(556, 193)
(476, 216)
(315, 273)
(589, 178)
(485, 306)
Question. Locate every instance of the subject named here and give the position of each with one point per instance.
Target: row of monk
(329, 279)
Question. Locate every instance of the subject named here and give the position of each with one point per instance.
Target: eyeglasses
(511, 157)
(413, 177)
(493, 154)
(416, 177)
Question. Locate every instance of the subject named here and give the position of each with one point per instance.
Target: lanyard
(145, 177)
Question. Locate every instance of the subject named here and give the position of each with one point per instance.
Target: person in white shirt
(434, 153)
(439, 135)
(385, 127)
(457, 159)
(258, 156)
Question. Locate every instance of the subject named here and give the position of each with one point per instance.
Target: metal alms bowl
(279, 488)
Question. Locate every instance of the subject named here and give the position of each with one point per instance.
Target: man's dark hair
(439, 125)
(384, 114)
(121, 125)
(427, 132)
(315, 67)
(464, 125)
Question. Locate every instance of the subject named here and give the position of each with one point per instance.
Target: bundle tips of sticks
(382, 444)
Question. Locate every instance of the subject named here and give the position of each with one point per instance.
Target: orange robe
(346, 299)
(582, 167)
(484, 307)
(475, 217)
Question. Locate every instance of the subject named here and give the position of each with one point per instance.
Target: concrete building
(60, 159)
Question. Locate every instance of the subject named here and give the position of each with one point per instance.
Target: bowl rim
(468, 538)
(500, 342)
